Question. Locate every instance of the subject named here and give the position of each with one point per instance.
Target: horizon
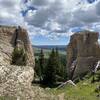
(49, 45)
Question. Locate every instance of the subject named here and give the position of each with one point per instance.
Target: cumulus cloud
(98, 8)
(51, 18)
(10, 12)
(62, 16)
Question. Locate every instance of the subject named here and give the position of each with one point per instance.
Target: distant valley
(47, 49)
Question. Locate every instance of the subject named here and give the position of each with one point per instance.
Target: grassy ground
(85, 90)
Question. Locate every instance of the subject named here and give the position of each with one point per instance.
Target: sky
(51, 22)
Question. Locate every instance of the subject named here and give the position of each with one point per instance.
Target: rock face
(83, 52)
(10, 37)
(15, 80)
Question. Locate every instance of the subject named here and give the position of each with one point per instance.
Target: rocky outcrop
(21, 39)
(6, 48)
(10, 37)
(15, 80)
(83, 52)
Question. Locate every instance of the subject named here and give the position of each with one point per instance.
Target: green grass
(85, 90)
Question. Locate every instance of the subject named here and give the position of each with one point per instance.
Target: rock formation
(10, 37)
(83, 52)
(15, 80)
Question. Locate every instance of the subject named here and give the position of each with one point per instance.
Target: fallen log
(63, 84)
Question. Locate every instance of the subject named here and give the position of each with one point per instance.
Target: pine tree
(50, 72)
(58, 63)
(19, 57)
(60, 68)
(36, 68)
(41, 65)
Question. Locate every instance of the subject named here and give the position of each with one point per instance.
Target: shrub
(19, 57)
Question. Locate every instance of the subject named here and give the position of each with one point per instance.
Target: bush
(19, 57)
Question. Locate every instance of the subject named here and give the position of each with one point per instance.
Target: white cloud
(10, 13)
(52, 18)
(61, 16)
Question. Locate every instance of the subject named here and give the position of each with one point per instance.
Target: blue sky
(51, 22)
(41, 40)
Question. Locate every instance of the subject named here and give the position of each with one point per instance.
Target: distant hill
(48, 47)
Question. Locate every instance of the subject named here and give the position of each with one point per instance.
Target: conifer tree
(60, 69)
(50, 72)
(41, 65)
(58, 63)
(19, 57)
